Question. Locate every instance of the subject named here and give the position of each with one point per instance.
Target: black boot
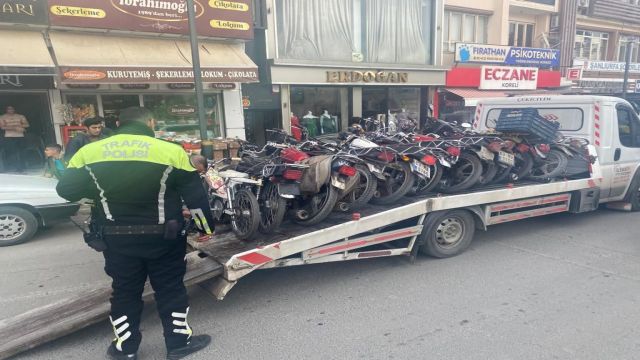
(119, 355)
(195, 344)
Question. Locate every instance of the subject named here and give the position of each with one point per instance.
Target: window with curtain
(371, 31)
(591, 45)
(316, 29)
(463, 27)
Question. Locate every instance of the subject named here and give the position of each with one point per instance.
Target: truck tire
(447, 233)
(633, 194)
(17, 225)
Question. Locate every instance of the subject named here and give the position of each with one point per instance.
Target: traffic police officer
(139, 184)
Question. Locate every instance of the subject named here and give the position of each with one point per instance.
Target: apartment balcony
(535, 7)
(618, 10)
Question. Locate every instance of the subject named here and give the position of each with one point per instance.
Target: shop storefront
(26, 83)
(605, 78)
(325, 100)
(501, 71)
(335, 60)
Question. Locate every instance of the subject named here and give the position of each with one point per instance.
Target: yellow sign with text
(228, 5)
(78, 11)
(229, 25)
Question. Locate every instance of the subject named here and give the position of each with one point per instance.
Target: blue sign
(507, 55)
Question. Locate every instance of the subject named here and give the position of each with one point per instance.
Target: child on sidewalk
(54, 167)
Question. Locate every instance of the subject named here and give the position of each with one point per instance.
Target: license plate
(421, 169)
(289, 189)
(339, 183)
(506, 158)
(486, 154)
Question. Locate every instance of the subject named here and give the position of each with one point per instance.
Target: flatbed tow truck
(438, 225)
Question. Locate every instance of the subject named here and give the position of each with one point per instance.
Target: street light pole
(197, 73)
(625, 82)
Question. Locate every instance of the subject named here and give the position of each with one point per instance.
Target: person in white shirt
(14, 126)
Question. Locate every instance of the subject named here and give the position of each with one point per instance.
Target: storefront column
(55, 97)
(344, 107)
(356, 95)
(233, 114)
(285, 96)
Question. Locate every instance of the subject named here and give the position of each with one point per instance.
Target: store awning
(471, 96)
(95, 59)
(24, 53)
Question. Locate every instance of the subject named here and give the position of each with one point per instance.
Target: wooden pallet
(50, 322)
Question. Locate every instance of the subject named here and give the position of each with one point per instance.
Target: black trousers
(165, 272)
(13, 148)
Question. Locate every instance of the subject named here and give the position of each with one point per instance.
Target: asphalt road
(560, 287)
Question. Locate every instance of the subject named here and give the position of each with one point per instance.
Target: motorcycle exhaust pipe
(302, 214)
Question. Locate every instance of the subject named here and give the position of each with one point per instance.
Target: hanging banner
(610, 66)
(508, 77)
(508, 55)
(214, 18)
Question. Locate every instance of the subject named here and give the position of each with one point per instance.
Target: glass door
(113, 104)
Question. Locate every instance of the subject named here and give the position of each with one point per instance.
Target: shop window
(177, 119)
(622, 48)
(79, 107)
(113, 104)
(521, 34)
(381, 102)
(318, 109)
(462, 27)
(591, 45)
(373, 31)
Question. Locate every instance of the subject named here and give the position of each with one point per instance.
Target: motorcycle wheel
(489, 171)
(523, 166)
(362, 192)
(425, 186)
(318, 206)
(553, 166)
(502, 175)
(246, 219)
(399, 181)
(273, 207)
(463, 175)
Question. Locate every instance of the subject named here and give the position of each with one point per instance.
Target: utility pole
(625, 82)
(197, 73)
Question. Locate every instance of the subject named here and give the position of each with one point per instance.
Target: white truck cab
(609, 123)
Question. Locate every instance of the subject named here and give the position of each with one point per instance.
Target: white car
(28, 203)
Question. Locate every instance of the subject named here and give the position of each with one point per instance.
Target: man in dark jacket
(138, 184)
(95, 132)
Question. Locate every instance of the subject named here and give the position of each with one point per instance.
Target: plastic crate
(527, 121)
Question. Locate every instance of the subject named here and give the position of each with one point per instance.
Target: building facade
(495, 48)
(604, 32)
(332, 60)
(66, 60)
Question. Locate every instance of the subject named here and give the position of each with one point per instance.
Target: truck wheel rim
(449, 232)
(11, 227)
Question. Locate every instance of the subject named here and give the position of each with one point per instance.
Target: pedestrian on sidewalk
(14, 127)
(95, 132)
